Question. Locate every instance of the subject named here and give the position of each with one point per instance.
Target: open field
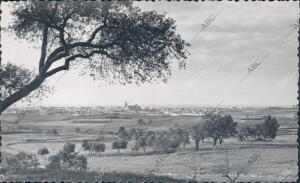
(277, 159)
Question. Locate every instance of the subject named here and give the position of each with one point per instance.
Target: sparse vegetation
(148, 142)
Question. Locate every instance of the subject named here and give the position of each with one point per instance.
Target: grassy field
(277, 159)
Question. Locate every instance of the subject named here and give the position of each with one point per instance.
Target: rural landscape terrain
(128, 91)
(53, 127)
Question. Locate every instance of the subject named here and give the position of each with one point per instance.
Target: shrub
(123, 134)
(99, 147)
(67, 159)
(69, 148)
(140, 121)
(19, 163)
(87, 146)
(54, 132)
(43, 151)
(269, 128)
(119, 144)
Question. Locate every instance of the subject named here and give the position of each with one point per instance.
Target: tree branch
(44, 48)
(95, 33)
(73, 57)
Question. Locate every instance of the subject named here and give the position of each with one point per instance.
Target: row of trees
(268, 129)
(158, 141)
(215, 126)
(93, 146)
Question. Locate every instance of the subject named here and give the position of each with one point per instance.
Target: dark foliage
(43, 151)
(199, 133)
(68, 159)
(219, 127)
(69, 148)
(269, 128)
(114, 41)
(119, 144)
(18, 163)
(99, 147)
(14, 77)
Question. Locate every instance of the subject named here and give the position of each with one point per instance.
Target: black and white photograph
(149, 91)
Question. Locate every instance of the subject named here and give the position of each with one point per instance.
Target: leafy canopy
(118, 41)
(14, 77)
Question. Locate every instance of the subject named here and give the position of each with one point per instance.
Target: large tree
(112, 40)
(219, 127)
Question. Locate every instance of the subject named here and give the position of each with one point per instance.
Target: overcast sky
(220, 57)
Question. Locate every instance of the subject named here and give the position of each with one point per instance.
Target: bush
(119, 144)
(69, 148)
(67, 159)
(99, 147)
(140, 122)
(54, 132)
(43, 151)
(86, 145)
(19, 163)
(269, 128)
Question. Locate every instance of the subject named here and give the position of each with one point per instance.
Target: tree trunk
(221, 140)
(197, 143)
(215, 141)
(23, 92)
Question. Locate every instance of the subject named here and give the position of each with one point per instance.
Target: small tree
(99, 147)
(43, 151)
(150, 138)
(87, 146)
(164, 142)
(269, 128)
(198, 133)
(123, 134)
(67, 159)
(119, 144)
(140, 121)
(135, 134)
(234, 171)
(186, 138)
(54, 132)
(132, 132)
(69, 148)
(218, 127)
(141, 143)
